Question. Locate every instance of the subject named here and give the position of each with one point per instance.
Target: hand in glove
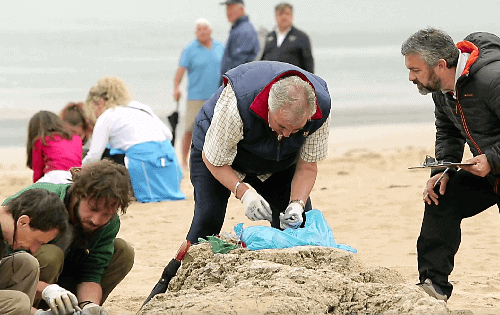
(93, 309)
(256, 207)
(292, 217)
(60, 300)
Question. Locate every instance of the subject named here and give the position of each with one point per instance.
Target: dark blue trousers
(210, 197)
(466, 195)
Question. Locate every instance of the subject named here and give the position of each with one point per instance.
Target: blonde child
(52, 148)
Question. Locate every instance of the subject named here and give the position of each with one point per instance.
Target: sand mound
(299, 280)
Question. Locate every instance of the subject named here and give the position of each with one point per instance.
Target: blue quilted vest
(260, 152)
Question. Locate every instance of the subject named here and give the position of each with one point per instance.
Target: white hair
(281, 94)
(202, 21)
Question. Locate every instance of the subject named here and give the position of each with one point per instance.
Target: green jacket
(84, 263)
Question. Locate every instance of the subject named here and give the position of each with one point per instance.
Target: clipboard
(441, 165)
(431, 162)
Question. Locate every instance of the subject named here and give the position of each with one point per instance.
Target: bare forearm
(226, 176)
(38, 294)
(303, 180)
(178, 76)
(39, 288)
(89, 291)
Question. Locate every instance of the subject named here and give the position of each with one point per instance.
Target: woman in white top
(133, 128)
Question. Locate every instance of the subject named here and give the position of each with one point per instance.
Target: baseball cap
(232, 2)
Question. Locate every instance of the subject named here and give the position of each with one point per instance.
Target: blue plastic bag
(315, 232)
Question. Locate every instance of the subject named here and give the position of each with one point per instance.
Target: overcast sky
(314, 15)
(38, 72)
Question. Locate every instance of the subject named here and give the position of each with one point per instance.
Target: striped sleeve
(225, 131)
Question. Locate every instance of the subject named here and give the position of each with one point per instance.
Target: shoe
(433, 290)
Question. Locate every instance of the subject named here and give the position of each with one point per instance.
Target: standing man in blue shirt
(202, 60)
(242, 45)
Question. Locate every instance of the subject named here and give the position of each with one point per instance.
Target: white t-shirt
(123, 127)
(280, 37)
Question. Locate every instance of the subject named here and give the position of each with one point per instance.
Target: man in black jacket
(464, 80)
(286, 43)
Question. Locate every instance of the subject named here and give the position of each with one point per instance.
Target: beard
(82, 235)
(433, 86)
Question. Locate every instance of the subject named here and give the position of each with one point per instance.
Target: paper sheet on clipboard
(431, 162)
(442, 165)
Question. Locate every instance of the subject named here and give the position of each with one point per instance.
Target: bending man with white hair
(202, 59)
(259, 137)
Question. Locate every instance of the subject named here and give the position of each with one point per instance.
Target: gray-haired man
(266, 128)
(464, 80)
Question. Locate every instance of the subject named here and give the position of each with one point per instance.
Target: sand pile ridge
(298, 280)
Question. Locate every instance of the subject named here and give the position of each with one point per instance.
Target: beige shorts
(192, 109)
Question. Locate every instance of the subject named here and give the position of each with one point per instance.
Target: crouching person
(88, 265)
(32, 218)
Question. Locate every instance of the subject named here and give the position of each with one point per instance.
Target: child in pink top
(74, 115)
(51, 146)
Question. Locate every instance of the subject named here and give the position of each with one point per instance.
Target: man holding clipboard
(464, 80)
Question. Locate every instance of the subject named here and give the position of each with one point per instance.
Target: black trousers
(117, 158)
(210, 197)
(466, 195)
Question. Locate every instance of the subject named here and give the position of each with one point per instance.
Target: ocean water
(365, 73)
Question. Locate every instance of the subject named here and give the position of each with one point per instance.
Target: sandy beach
(365, 191)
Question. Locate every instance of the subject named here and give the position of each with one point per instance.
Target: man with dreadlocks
(88, 265)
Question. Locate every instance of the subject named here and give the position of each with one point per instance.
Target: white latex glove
(60, 300)
(292, 217)
(93, 309)
(256, 207)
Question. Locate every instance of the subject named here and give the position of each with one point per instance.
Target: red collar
(260, 106)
